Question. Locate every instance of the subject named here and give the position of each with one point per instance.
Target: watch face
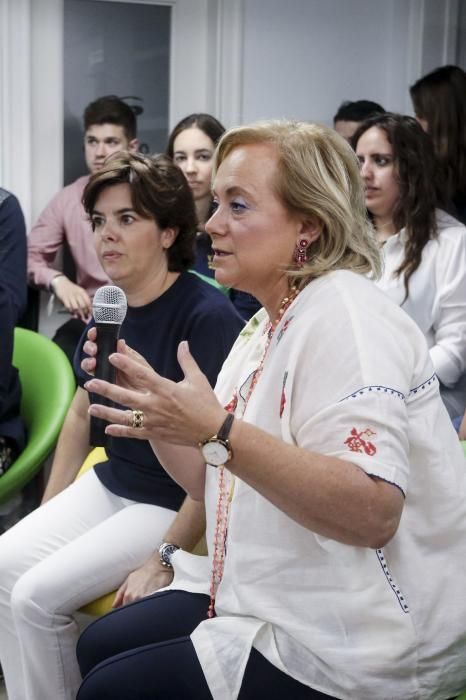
(215, 453)
(166, 551)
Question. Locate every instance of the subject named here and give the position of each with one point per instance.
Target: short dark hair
(110, 109)
(159, 191)
(420, 193)
(357, 111)
(205, 122)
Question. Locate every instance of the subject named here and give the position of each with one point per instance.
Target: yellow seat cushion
(100, 606)
(94, 457)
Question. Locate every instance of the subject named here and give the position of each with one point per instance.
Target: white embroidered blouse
(347, 374)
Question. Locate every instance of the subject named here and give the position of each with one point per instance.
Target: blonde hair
(317, 179)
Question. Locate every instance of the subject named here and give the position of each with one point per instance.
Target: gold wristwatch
(217, 450)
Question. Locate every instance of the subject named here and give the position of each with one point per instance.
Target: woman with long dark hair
(424, 248)
(191, 145)
(439, 100)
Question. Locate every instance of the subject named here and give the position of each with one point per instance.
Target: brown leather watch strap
(224, 431)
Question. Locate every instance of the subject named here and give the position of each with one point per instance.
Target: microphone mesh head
(109, 305)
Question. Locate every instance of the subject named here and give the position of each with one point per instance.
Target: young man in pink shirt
(109, 126)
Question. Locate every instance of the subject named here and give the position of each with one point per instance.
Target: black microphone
(109, 311)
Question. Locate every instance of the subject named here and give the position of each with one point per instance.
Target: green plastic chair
(48, 385)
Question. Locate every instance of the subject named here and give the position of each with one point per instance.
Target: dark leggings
(143, 652)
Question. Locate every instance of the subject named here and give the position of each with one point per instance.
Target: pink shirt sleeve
(63, 219)
(44, 240)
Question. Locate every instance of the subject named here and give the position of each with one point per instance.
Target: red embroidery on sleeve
(357, 444)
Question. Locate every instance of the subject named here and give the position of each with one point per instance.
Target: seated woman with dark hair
(423, 247)
(334, 483)
(91, 534)
(191, 145)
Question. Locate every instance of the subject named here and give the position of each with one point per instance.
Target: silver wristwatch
(166, 551)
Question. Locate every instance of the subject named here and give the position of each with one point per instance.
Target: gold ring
(137, 420)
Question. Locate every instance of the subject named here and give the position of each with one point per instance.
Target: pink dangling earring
(300, 253)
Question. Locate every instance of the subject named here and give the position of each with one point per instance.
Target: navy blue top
(245, 304)
(189, 310)
(13, 299)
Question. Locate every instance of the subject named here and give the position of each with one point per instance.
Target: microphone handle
(107, 336)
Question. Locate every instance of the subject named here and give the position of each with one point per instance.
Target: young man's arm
(45, 239)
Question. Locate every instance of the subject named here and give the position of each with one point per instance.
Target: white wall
(441, 27)
(46, 116)
(302, 58)
(15, 99)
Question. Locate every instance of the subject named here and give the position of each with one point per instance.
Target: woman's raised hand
(182, 413)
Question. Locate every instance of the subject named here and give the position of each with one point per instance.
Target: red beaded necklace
(225, 495)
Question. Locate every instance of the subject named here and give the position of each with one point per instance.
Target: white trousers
(78, 546)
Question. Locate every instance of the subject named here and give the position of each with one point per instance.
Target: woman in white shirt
(424, 248)
(334, 483)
